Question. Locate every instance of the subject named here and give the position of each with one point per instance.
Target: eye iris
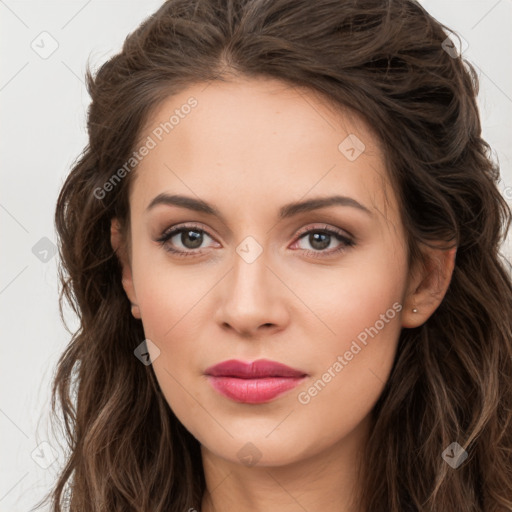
(196, 237)
(314, 239)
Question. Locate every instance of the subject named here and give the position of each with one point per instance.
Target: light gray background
(43, 103)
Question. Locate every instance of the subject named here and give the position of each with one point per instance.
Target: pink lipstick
(253, 383)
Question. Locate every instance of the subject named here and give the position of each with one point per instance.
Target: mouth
(253, 383)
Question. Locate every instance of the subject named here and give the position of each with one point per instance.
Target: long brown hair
(452, 378)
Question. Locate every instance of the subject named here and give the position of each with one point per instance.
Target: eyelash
(171, 232)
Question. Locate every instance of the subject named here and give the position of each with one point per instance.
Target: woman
(282, 242)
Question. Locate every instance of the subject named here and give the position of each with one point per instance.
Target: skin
(249, 147)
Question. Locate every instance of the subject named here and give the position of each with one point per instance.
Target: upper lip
(256, 369)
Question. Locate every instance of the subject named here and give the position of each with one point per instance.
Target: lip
(253, 383)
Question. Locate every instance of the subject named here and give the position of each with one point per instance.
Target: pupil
(314, 240)
(197, 239)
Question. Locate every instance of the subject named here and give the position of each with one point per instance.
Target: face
(239, 271)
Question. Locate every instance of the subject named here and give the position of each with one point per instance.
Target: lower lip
(253, 391)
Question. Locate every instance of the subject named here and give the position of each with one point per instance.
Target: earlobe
(136, 311)
(117, 242)
(428, 286)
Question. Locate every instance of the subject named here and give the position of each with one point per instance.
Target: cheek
(347, 302)
(362, 310)
(172, 302)
(171, 310)
(352, 366)
(169, 293)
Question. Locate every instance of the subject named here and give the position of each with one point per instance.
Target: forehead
(259, 142)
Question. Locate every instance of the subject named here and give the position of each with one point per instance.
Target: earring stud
(414, 310)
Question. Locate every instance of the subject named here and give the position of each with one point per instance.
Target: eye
(321, 238)
(190, 237)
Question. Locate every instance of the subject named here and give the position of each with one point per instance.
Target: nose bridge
(250, 273)
(251, 294)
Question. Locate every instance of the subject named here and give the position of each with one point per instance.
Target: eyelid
(178, 227)
(325, 227)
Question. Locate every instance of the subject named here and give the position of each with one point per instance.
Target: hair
(451, 378)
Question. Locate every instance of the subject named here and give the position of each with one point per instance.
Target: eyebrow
(286, 211)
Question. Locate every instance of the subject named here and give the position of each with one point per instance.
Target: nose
(252, 299)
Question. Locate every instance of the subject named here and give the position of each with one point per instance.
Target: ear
(427, 286)
(119, 246)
